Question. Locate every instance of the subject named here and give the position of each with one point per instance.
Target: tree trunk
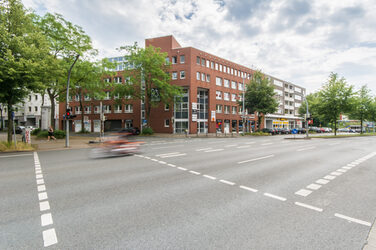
(10, 122)
(82, 113)
(2, 121)
(52, 100)
(361, 125)
(335, 127)
(258, 122)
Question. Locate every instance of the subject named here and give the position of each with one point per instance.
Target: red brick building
(212, 86)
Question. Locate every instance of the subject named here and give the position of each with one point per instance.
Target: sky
(298, 41)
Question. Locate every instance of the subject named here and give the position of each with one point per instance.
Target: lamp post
(243, 106)
(306, 115)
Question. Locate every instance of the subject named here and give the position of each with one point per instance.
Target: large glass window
(218, 81)
(181, 112)
(218, 95)
(174, 60)
(226, 83)
(182, 59)
(202, 105)
(198, 60)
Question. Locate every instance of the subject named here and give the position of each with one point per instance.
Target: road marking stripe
(347, 167)
(173, 153)
(194, 172)
(18, 155)
(46, 219)
(42, 196)
(309, 206)
(172, 165)
(314, 186)
(351, 165)
(252, 142)
(227, 182)
(154, 159)
(341, 170)
(40, 181)
(322, 181)
(39, 176)
(275, 197)
(184, 169)
(303, 192)
(303, 149)
(249, 189)
(41, 188)
(365, 223)
(49, 237)
(44, 205)
(336, 173)
(265, 144)
(232, 145)
(243, 147)
(38, 171)
(167, 156)
(147, 157)
(209, 177)
(202, 149)
(329, 177)
(162, 162)
(214, 150)
(256, 159)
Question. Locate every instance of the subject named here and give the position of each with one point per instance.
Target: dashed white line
(184, 169)
(147, 157)
(42, 196)
(336, 173)
(256, 159)
(252, 142)
(202, 149)
(49, 237)
(44, 205)
(314, 186)
(194, 172)
(248, 188)
(46, 219)
(304, 149)
(329, 177)
(41, 188)
(347, 167)
(303, 192)
(154, 159)
(214, 150)
(309, 206)
(162, 162)
(275, 197)
(210, 177)
(40, 181)
(172, 165)
(365, 223)
(341, 170)
(322, 181)
(39, 176)
(266, 144)
(176, 155)
(243, 147)
(227, 182)
(232, 145)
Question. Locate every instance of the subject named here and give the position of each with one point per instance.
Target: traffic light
(69, 115)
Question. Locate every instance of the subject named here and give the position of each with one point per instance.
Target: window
(224, 68)
(87, 109)
(212, 65)
(107, 97)
(174, 59)
(107, 108)
(36, 109)
(167, 123)
(107, 80)
(77, 97)
(236, 72)
(220, 67)
(232, 71)
(233, 85)
(207, 63)
(218, 81)
(227, 109)
(117, 79)
(219, 108)
(234, 109)
(174, 75)
(29, 109)
(216, 66)
(198, 60)
(218, 95)
(240, 97)
(128, 108)
(240, 86)
(182, 74)
(226, 96)
(198, 76)
(202, 62)
(96, 110)
(117, 96)
(226, 83)
(207, 78)
(167, 107)
(87, 98)
(182, 59)
(128, 81)
(36, 98)
(233, 97)
(77, 110)
(117, 109)
(167, 60)
(228, 70)
(203, 77)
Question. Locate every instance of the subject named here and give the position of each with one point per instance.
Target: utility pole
(67, 104)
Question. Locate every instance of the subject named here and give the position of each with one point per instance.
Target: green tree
(372, 113)
(335, 97)
(66, 41)
(22, 51)
(148, 78)
(259, 97)
(313, 106)
(362, 105)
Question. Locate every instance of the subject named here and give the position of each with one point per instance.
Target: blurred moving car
(132, 131)
(19, 129)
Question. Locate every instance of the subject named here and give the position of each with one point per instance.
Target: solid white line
(309, 206)
(49, 237)
(41, 188)
(46, 219)
(275, 197)
(303, 149)
(194, 172)
(256, 159)
(227, 182)
(209, 177)
(202, 149)
(167, 156)
(365, 223)
(249, 189)
(44, 205)
(243, 147)
(173, 153)
(214, 150)
(6, 156)
(303, 192)
(184, 169)
(171, 165)
(265, 144)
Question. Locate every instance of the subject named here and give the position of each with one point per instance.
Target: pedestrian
(51, 134)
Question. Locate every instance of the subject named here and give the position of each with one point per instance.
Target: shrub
(35, 131)
(147, 131)
(42, 134)
(9, 146)
(258, 133)
(59, 134)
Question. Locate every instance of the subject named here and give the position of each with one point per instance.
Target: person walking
(51, 134)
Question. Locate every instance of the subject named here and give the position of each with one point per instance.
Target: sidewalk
(75, 142)
(371, 241)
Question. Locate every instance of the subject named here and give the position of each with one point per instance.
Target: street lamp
(306, 121)
(243, 106)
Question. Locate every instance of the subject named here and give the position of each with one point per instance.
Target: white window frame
(226, 83)
(182, 74)
(182, 61)
(174, 75)
(198, 76)
(167, 123)
(233, 97)
(172, 59)
(218, 95)
(128, 108)
(219, 108)
(218, 81)
(226, 96)
(203, 77)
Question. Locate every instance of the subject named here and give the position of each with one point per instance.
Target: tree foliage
(362, 105)
(259, 97)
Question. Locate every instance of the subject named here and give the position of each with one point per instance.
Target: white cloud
(299, 41)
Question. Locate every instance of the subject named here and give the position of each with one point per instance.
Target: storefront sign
(213, 116)
(194, 117)
(194, 105)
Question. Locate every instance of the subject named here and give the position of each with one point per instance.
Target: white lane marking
(38, 171)
(322, 181)
(248, 188)
(256, 159)
(362, 222)
(214, 150)
(172, 165)
(147, 157)
(351, 165)
(173, 153)
(49, 237)
(336, 173)
(341, 170)
(265, 144)
(46, 219)
(174, 146)
(232, 145)
(154, 159)
(184, 169)
(209, 177)
(314, 186)
(304, 149)
(309, 206)
(202, 149)
(332, 144)
(194, 172)
(168, 156)
(213, 142)
(275, 197)
(243, 147)
(39, 176)
(162, 162)
(354, 163)
(40, 181)
(227, 182)
(18, 155)
(44, 205)
(41, 188)
(347, 167)
(42, 196)
(329, 177)
(252, 142)
(303, 192)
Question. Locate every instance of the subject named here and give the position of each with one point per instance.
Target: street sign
(194, 105)
(294, 131)
(194, 117)
(213, 116)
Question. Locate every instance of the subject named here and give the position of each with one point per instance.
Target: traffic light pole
(244, 121)
(306, 121)
(67, 104)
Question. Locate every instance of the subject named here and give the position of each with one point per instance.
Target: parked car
(271, 131)
(283, 131)
(301, 130)
(19, 129)
(343, 130)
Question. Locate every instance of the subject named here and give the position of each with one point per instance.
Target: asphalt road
(199, 193)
